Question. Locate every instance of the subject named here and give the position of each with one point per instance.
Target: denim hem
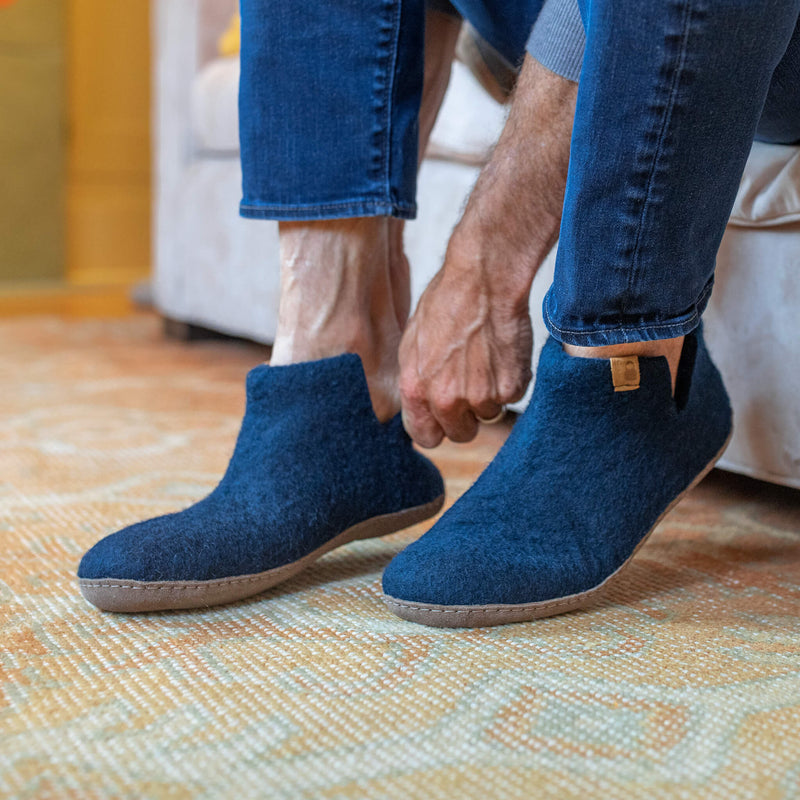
(344, 210)
(602, 334)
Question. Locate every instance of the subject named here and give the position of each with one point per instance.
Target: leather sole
(454, 616)
(120, 595)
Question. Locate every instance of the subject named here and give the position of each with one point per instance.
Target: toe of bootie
(172, 547)
(602, 453)
(118, 556)
(312, 469)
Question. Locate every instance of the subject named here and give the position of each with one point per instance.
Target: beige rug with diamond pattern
(685, 683)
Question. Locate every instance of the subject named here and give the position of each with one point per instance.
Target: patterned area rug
(685, 683)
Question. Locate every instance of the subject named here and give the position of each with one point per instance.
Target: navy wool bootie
(313, 469)
(600, 456)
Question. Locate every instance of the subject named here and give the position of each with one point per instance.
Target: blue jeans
(671, 96)
(329, 102)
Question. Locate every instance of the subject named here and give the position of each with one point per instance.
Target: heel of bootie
(700, 387)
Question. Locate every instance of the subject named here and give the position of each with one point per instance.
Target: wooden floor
(64, 299)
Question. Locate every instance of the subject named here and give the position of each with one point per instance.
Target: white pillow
(769, 193)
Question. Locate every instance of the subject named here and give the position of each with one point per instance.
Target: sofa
(219, 272)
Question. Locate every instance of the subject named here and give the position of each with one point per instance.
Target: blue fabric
(329, 101)
(580, 482)
(671, 97)
(311, 460)
(328, 108)
(669, 102)
(505, 24)
(558, 40)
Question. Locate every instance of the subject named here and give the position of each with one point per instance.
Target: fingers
(454, 416)
(513, 384)
(419, 423)
(427, 427)
(485, 396)
(457, 363)
(489, 411)
(436, 407)
(430, 415)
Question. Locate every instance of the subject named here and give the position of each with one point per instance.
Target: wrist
(501, 272)
(501, 246)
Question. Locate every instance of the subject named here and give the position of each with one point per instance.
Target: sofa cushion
(470, 123)
(466, 129)
(215, 107)
(769, 193)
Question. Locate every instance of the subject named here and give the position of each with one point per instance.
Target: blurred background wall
(74, 152)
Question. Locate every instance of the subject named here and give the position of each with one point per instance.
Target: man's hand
(465, 353)
(467, 349)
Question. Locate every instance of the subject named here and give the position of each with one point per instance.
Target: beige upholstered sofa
(218, 271)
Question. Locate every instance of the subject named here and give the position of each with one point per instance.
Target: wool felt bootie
(312, 469)
(602, 453)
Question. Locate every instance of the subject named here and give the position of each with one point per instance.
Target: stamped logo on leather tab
(625, 373)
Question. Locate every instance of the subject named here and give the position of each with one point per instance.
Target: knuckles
(511, 386)
(412, 389)
(447, 403)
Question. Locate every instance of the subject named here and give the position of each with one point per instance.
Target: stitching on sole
(394, 522)
(576, 601)
(510, 609)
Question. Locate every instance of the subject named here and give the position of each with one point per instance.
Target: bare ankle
(338, 295)
(671, 349)
(399, 272)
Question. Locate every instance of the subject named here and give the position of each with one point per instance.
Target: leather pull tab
(625, 373)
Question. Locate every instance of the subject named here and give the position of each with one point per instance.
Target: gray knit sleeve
(558, 38)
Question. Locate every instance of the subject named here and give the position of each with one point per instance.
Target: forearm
(513, 216)
(467, 349)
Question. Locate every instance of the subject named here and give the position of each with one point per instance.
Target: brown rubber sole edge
(444, 616)
(112, 594)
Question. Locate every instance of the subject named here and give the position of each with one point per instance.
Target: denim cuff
(558, 38)
(347, 209)
(619, 328)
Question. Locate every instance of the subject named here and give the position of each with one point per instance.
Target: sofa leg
(189, 332)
